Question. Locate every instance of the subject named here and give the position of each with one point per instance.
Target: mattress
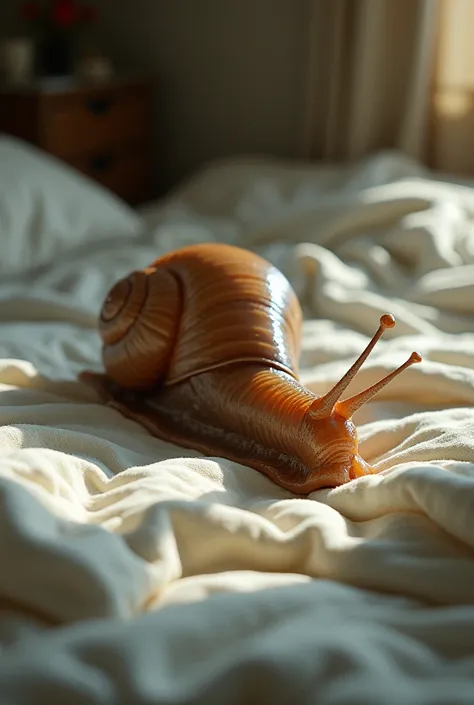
(135, 571)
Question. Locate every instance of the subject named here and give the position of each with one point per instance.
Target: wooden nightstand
(104, 131)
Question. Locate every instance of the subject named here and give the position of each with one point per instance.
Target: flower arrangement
(57, 24)
(58, 15)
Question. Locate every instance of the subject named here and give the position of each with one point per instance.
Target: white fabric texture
(48, 208)
(137, 572)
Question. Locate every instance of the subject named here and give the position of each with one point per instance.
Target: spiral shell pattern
(197, 309)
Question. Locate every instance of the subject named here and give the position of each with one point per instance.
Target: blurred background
(325, 80)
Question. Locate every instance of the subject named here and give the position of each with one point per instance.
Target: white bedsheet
(133, 571)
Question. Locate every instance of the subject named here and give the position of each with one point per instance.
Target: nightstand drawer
(75, 124)
(125, 173)
(104, 131)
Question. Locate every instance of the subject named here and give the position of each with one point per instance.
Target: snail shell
(195, 310)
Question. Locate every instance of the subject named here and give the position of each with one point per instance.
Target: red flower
(64, 13)
(88, 14)
(30, 11)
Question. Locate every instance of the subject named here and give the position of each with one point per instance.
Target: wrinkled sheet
(133, 571)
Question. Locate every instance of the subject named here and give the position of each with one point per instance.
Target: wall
(229, 74)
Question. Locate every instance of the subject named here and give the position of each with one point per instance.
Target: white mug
(17, 60)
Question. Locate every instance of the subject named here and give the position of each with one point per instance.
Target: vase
(57, 56)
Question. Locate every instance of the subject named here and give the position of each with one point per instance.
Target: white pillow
(47, 208)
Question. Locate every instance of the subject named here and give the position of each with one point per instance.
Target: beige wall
(229, 74)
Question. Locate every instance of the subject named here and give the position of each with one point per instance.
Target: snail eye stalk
(325, 405)
(348, 407)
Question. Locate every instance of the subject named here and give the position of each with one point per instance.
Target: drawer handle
(99, 106)
(101, 163)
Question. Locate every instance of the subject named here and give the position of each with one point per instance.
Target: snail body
(202, 349)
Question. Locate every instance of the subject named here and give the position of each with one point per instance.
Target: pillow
(48, 208)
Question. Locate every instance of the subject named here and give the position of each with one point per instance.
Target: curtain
(452, 106)
(370, 77)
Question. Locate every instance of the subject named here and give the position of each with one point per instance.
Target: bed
(134, 571)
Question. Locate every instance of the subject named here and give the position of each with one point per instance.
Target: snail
(202, 349)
